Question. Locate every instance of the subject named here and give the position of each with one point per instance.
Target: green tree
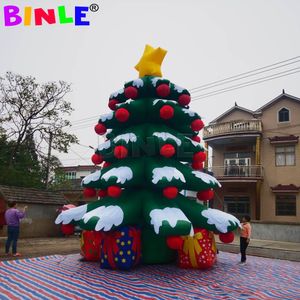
(151, 154)
(34, 116)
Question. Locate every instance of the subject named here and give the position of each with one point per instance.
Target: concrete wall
(39, 221)
(276, 232)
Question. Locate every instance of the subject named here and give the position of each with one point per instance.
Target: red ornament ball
(114, 191)
(122, 114)
(167, 150)
(89, 193)
(120, 152)
(199, 156)
(197, 165)
(163, 90)
(100, 129)
(131, 92)
(102, 193)
(106, 164)
(197, 125)
(184, 99)
(196, 138)
(166, 112)
(205, 195)
(226, 238)
(67, 229)
(97, 159)
(175, 242)
(112, 104)
(170, 192)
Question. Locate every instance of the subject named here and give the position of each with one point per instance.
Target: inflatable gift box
(197, 251)
(91, 244)
(121, 249)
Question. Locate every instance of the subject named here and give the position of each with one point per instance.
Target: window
(285, 155)
(238, 206)
(71, 175)
(285, 205)
(284, 115)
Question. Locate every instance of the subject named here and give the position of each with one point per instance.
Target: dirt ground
(35, 247)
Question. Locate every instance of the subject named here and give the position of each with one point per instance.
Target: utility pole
(48, 158)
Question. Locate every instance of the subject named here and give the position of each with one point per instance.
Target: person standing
(245, 237)
(12, 218)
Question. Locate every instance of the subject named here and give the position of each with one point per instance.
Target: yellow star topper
(150, 62)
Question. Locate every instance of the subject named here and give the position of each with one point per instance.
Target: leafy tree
(33, 116)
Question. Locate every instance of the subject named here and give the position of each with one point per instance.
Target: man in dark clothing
(12, 218)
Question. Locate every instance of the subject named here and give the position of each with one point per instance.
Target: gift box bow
(191, 247)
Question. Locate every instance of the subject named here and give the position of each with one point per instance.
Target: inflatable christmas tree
(150, 157)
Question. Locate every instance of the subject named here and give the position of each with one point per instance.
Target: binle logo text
(28, 16)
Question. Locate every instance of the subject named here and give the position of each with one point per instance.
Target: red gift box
(198, 251)
(91, 245)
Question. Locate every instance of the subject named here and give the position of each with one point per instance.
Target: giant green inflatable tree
(152, 154)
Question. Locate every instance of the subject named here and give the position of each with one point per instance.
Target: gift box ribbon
(191, 247)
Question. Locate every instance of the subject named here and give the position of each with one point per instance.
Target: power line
(245, 73)
(79, 124)
(242, 85)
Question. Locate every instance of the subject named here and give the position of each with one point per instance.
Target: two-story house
(74, 175)
(256, 158)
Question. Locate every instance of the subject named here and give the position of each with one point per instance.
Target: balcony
(237, 127)
(238, 173)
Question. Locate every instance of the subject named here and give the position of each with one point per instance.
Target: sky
(206, 41)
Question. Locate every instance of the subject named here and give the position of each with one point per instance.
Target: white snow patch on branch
(168, 172)
(206, 178)
(178, 88)
(91, 177)
(107, 215)
(106, 117)
(154, 81)
(170, 214)
(189, 112)
(115, 94)
(72, 214)
(124, 103)
(104, 145)
(220, 219)
(193, 142)
(166, 135)
(164, 101)
(126, 137)
(123, 174)
(138, 83)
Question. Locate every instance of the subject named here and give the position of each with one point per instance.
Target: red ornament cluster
(114, 191)
(122, 114)
(184, 99)
(131, 92)
(166, 112)
(102, 193)
(112, 104)
(226, 238)
(197, 125)
(89, 193)
(100, 129)
(205, 195)
(196, 138)
(170, 192)
(120, 152)
(199, 156)
(97, 159)
(167, 150)
(163, 90)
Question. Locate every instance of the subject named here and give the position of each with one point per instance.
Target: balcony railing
(254, 171)
(232, 127)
